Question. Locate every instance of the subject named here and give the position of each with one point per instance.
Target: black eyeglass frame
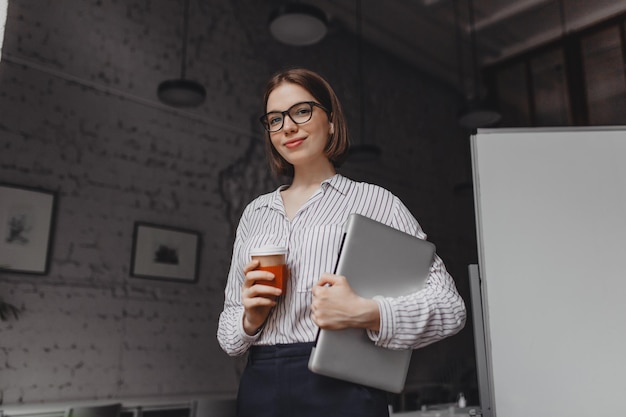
(284, 113)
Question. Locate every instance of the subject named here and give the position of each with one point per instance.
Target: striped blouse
(313, 238)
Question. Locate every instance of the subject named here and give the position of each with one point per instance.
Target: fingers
(262, 304)
(333, 302)
(250, 266)
(253, 295)
(328, 280)
(257, 275)
(257, 299)
(253, 275)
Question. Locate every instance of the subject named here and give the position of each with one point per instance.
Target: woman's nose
(289, 125)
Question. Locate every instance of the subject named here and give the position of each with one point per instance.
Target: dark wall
(79, 116)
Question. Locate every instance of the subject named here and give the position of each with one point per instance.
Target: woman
(307, 139)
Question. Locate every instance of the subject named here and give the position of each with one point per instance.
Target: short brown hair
(338, 143)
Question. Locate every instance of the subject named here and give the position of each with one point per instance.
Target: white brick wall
(79, 115)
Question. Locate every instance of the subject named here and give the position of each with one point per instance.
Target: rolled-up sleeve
(426, 316)
(230, 333)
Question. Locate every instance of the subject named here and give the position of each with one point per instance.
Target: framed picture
(166, 253)
(26, 227)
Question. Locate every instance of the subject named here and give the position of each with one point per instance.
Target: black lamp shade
(478, 115)
(181, 93)
(298, 24)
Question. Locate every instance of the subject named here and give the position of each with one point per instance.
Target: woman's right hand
(258, 299)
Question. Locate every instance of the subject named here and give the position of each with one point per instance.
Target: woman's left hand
(336, 306)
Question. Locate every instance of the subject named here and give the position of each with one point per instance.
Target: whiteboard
(551, 225)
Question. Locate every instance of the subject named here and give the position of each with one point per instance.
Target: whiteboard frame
(554, 172)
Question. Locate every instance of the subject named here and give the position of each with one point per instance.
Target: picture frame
(27, 219)
(165, 253)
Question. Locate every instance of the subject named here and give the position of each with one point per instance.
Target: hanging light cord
(185, 31)
(359, 31)
(562, 17)
(474, 48)
(459, 51)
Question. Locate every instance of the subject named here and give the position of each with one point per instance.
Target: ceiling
(425, 32)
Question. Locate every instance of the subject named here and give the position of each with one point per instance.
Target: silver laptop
(377, 260)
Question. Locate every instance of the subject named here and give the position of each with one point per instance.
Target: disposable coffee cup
(272, 259)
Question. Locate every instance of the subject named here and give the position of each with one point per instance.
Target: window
(605, 75)
(578, 80)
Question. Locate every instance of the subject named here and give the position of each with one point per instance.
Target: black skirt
(277, 383)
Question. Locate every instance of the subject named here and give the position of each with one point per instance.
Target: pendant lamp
(182, 92)
(477, 113)
(362, 152)
(298, 24)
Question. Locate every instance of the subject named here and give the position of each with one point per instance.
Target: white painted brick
(79, 115)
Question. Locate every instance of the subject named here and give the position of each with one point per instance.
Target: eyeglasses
(299, 113)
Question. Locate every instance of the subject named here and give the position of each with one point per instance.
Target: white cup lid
(268, 250)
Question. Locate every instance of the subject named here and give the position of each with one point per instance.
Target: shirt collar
(337, 182)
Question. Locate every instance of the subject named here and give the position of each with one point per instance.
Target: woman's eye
(275, 120)
(302, 111)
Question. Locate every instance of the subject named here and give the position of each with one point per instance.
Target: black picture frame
(165, 253)
(27, 220)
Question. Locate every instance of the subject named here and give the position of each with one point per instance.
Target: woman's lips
(294, 143)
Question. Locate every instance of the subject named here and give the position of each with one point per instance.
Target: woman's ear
(332, 128)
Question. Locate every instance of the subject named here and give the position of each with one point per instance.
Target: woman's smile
(294, 143)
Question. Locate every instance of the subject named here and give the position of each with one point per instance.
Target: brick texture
(79, 116)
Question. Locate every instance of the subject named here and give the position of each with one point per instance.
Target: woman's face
(300, 144)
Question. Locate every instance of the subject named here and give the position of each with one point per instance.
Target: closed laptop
(377, 260)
